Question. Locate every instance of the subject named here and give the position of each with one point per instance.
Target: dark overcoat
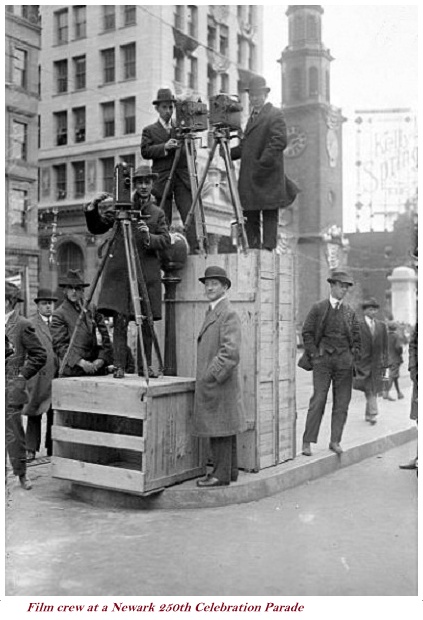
(395, 353)
(261, 182)
(115, 293)
(39, 386)
(218, 406)
(413, 367)
(373, 360)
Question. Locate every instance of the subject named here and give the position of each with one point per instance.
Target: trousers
(120, 347)
(183, 200)
(33, 433)
(225, 460)
(15, 440)
(269, 221)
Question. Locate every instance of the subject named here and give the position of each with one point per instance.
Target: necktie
(372, 326)
(337, 305)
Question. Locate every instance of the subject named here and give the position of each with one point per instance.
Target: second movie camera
(225, 111)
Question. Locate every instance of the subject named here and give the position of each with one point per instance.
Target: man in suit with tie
(373, 364)
(39, 386)
(331, 337)
(159, 143)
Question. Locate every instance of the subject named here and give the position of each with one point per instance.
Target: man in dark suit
(39, 386)
(261, 177)
(159, 143)
(27, 357)
(331, 336)
(86, 357)
(373, 364)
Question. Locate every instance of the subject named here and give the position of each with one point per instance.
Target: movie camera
(122, 193)
(191, 115)
(225, 111)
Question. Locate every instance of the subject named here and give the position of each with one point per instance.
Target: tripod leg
(230, 170)
(169, 179)
(200, 186)
(200, 224)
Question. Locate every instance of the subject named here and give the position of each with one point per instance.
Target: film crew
(331, 336)
(151, 238)
(395, 351)
(218, 407)
(159, 143)
(372, 367)
(262, 185)
(413, 368)
(87, 356)
(28, 356)
(39, 386)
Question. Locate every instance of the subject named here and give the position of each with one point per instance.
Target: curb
(250, 487)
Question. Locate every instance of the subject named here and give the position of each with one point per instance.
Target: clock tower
(313, 156)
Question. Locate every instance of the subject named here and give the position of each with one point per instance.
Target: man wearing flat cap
(159, 143)
(331, 337)
(218, 407)
(28, 356)
(371, 369)
(39, 386)
(261, 181)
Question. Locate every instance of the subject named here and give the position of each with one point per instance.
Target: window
(30, 12)
(61, 73)
(128, 61)
(108, 65)
(129, 14)
(108, 165)
(20, 67)
(61, 128)
(61, 27)
(223, 40)
(128, 159)
(192, 21)
(295, 83)
(80, 71)
(211, 81)
(79, 124)
(211, 35)
(19, 140)
(80, 21)
(18, 209)
(128, 109)
(108, 119)
(39, 131)
(178, 64)
(193, 74)
(179, 16)
(79, 179)
(252, 57)
(109, 17)
(313, 82)
(224, 83)
(69, 256)
(61, 181)
(327, 86)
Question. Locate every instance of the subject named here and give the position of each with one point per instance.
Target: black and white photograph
(211, 315)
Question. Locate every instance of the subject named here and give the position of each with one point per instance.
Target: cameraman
(159, 143)
(151, 237)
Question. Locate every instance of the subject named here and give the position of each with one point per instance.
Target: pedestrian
(218, 406)
(28, 356)
(395, 351)
(160, 142)
(261, 183)
(86, 357)
(372, 366)
(331, 336)
(151, 239)
(413, 368)
(39, 386)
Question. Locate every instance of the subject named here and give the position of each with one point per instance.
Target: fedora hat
(73, 278)
(370, 303)
(340, 276)
(164, 94)
(144, 171)
(45, 294)
(218, 273)
(13, 292)
(257, 83)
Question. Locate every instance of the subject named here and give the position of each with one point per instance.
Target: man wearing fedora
(151, 239)
(331, 337)
(86, 357)
(39, 386)
(159, 143)
(27, 358)
(372, 367)
(218, 407)
(261, 181)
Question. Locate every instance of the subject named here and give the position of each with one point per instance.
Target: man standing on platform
(413, 367)
(331, 336)
(218, 407)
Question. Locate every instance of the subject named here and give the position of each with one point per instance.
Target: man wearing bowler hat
(159, 143)
(218, 407)
(331, 336)
(261, 181)
(39, 386)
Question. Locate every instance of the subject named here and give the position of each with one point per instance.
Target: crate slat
(96, 438)
(100, 476)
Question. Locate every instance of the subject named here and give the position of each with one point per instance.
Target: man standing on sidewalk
(331, 336)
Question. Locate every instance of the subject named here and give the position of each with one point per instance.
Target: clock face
(297, 141)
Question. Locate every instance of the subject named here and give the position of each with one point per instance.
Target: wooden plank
(95, 438)
(100, 476)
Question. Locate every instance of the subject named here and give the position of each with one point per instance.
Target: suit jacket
(218, 406)
(373, 360)
(261, 177)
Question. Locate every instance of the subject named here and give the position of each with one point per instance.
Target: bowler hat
(45, 294)
(218, 273)
(164, 94)
(73, 278)
(144, 171)
(340, 276)
(370, 303)
(257, 83)
(13, 292)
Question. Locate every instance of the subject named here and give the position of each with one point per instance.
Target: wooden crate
(117, 434)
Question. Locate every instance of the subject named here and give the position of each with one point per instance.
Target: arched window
(298, 29)
(313, 82)
(295, 84)
(312, 33)
(69, 256)
(327, 86)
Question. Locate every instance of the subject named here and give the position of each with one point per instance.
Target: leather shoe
(30, 456)
(25, 483)
(210, 482)
(411, 465)
(400, 396)
(335, 447)
(306, 449)
(151, 373)
(118, 373)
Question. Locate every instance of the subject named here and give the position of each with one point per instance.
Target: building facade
(101, 68)
(22, 46)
